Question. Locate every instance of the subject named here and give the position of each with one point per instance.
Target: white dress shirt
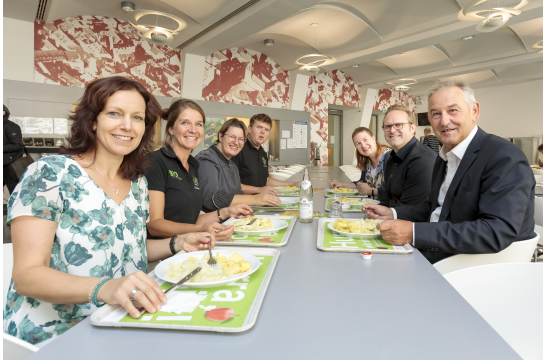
(453, 158)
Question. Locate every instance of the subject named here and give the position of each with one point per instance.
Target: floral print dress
(95, 237)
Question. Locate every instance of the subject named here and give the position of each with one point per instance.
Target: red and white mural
(247, 77)
(333, 87)
(77, 50)
(388, 96)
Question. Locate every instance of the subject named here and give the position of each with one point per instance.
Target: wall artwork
(77, 50)
(247, 77)
(388, 96)
(334, 87)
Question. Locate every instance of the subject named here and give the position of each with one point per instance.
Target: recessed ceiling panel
(369, 72)
(530, 32)
(485, 46)
(473, 78)
(528, 71)
(417, 61)
(284, 52)
(336, 30)
(421, 88)
(389, 16)
(205, 12)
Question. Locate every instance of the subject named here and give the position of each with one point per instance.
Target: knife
(188, 277)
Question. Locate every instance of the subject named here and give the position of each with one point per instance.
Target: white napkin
(182, 301)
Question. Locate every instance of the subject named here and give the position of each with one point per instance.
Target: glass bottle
(306, 208)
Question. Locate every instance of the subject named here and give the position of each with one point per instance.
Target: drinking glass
(336, 206)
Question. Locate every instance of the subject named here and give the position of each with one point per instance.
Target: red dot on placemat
(266, 239)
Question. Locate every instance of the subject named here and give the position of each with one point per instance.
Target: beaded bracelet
(104, 279)
(90, 296)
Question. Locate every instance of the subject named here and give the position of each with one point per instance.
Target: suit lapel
(438, 178)
(469, 156)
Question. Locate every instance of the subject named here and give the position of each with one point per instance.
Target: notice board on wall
(300, 134)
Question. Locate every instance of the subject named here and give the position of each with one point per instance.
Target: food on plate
(351, 201)
(343, 190)
(262, 223)
(287, 188)
(360, 226)
(220, 314)
(224, 268)
(367, 202)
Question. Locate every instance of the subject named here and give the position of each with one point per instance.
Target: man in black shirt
(408, 171)
(252, 161)
(13, 149)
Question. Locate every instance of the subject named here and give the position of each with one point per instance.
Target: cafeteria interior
(373, 238)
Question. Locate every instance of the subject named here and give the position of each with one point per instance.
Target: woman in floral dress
(80, 217)
(372, 157)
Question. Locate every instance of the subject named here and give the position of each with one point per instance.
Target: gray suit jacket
(489, 204)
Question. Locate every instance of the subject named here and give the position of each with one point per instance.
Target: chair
(7, 267)
(538, 171)
(510, 298)
(538, 210)
(17, 349)
(539, 178)
(518, 251)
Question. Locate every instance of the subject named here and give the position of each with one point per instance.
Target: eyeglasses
(234, 138)
(397, 126)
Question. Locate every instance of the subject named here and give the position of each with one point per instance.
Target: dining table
(319, 305)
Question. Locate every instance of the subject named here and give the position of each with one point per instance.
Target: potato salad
(224, 268)
(360, 226)
(262, 223)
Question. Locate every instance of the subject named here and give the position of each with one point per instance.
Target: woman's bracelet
(219, 217)
(90, 296)
(172, 243)
(95, 292)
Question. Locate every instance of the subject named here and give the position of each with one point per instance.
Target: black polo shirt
(181, 188)
(252, 164)
(408, 175)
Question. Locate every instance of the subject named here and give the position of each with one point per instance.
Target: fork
(212, 262)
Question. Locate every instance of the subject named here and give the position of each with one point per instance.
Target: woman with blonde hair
(372, 157)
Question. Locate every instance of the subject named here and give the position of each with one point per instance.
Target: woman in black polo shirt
(173, 181)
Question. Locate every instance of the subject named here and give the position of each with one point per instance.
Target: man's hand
(268, 190)
(267, 199)
(396, 232)
(363, 188)
(195, 241)
(380, 212)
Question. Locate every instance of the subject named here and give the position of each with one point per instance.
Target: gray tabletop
(320, 305)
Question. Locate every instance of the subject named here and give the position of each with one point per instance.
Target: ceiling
(386, 39)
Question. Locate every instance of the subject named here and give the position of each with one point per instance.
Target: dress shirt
(453, 158)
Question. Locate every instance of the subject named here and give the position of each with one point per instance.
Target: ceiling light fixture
(492, 18)
(470, 37)
(127, 5)
(268, 42)
(355, 65)
(402, 84)
(314, 62)
(538, 45)
(152, 33)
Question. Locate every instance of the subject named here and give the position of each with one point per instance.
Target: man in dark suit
(482, 193)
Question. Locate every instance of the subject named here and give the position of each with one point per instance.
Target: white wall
(193, 75)
(18, 53)
(514, 110)
(351, 120)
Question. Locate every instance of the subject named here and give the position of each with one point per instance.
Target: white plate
(278, 224)
(352, 235)
(332, 191)
(373, 202)
(281, 191)
(161, 268)
(288, 200)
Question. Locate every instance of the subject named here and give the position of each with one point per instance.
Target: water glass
(336, 206)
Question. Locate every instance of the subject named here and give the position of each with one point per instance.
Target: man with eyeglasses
(407, 178)
(483, 189)
(252, 161)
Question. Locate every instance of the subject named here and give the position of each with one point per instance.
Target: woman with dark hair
(372, 158)
(220, 179)
(78, 220)
(174, 182)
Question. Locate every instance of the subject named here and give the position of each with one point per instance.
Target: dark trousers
(9, 180)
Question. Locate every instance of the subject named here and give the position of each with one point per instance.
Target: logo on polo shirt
(264, 161)
(196, 182)
(174, 174)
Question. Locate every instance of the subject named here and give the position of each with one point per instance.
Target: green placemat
(275, 237)
(238, 298)
(333, 240)
(352, 207)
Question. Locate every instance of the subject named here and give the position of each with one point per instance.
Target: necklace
(115, 187)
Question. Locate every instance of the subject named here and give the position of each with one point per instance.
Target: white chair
(510, 298)
(538, 171)
(279, 176)
(17, 349)
(539, 178)
(518, 251)
(7, 268)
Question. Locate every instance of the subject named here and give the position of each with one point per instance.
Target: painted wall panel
(18, 50)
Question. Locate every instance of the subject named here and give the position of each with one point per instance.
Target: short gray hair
(469, 94)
